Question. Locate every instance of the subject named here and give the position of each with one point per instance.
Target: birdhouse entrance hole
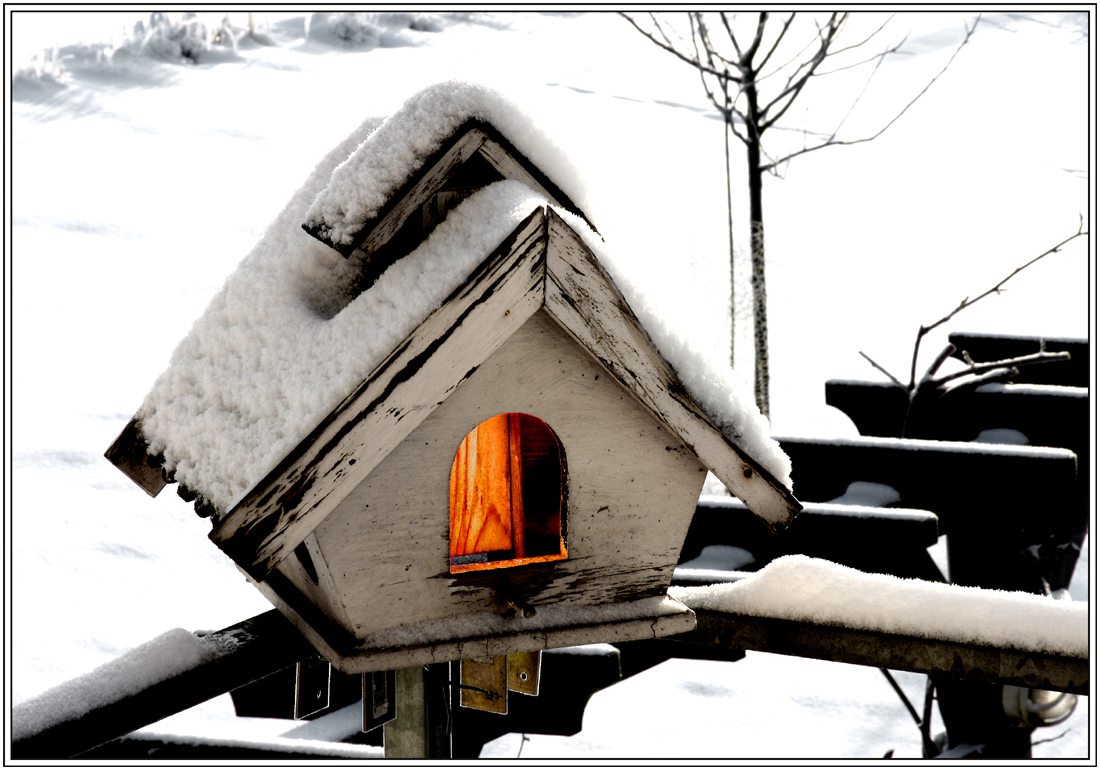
(507, 495)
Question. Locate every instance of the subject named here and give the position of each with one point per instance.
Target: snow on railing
(803, 588)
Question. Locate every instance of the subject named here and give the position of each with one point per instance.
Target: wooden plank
(130, 454)
(926, 474)
(481, 491)
(1048, 415)
(307, 569)
(581, 296)
(420, 729)
(247, 651)
(512, 164)
(882, 540)
(515, 477)
(1023, 668)
(479, 635)
(405, 388)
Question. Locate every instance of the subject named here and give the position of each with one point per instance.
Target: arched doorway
(507, 495)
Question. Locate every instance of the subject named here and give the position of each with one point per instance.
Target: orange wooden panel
(506, 495)
(481, 490)
(515, 471)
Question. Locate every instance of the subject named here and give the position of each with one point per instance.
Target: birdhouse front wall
(382, 557)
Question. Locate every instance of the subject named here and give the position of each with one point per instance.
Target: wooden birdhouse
(470, 444)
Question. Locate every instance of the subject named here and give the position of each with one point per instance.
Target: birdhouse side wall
(631, 493)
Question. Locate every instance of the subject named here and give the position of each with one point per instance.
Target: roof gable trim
(583, 298)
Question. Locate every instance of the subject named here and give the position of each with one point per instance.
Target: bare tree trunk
(720, 69)
(728, 127)
(756, 222)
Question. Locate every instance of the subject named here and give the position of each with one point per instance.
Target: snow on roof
(803, 588)
(361, 185)
(711, 383)
(286, 339)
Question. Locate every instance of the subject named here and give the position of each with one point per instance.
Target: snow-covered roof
(362, 185)
(286, 339)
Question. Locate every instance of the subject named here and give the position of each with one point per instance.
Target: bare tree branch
(775, 45)
(792, 91)
(837, 142)
(676, 52)
(855, 103)
(750, 54)
(875, 364)
(967, 302)
(878, 56)
(865, 40)
(938, 362)
(1042, 357)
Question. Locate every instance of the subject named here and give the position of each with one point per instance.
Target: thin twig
(837, 142)
(674, 51)
(1007, 363)
(1001, 374)
(967, 302)
(893, 379)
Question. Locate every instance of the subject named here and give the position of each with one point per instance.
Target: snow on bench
(816, 608)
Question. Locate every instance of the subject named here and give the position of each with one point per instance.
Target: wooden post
(420, 730)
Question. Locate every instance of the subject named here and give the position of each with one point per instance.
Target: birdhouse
(427, 421)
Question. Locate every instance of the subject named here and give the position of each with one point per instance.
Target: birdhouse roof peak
(383, 168)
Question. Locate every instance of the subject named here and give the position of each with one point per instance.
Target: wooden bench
(994, 502)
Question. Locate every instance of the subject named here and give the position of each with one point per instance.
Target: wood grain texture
(511, 164)
(307, 569)
(481, 492)
(419, 375)
(506, 495)
(584, 300)
(631, 492)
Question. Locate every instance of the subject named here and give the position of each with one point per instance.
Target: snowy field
(140, 178)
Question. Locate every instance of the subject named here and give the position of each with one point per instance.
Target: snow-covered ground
(139, 181)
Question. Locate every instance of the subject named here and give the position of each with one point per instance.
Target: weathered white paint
(630, 497)
(583, 298)
(486, 634)
(322, 591)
